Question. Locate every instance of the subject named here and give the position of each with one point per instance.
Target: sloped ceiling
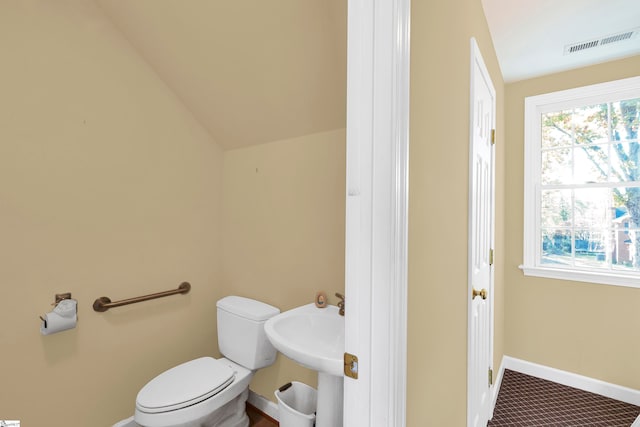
(253, 71)
(250, 71)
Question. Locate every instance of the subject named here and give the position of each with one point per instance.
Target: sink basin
(310, 336)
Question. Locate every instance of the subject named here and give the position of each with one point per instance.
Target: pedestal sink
(314, 338)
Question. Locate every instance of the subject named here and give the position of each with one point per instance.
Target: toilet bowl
(205, 391)
(208, 392)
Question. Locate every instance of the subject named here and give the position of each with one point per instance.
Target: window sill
(604, 278)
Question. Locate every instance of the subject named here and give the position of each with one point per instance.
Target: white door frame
(376, 211)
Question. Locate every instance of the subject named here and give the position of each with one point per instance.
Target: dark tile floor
(526, 401)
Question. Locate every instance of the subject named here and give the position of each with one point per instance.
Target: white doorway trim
(376, 217)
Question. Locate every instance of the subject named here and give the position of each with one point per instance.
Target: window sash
(535, 107)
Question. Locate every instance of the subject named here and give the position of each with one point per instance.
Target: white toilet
(212, 392)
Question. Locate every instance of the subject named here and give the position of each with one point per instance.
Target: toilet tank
(241, 335)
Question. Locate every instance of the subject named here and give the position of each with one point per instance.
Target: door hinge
(493, 136)
(490, 256)
(351, 366)
(490, 377)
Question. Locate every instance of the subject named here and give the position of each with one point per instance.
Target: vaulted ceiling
(253, 71)
(250, 71)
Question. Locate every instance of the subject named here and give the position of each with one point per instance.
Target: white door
(481, 215)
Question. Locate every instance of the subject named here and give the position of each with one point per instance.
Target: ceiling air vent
(591, 44)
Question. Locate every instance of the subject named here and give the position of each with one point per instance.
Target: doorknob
(482, 293)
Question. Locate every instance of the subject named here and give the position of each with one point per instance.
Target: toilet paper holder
(57, 299)
(60, 297)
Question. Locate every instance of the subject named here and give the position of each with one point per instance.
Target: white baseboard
(570, 379)
(265, 405)
(636, 423)
(496, 388)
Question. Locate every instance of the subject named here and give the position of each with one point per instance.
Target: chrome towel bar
(104, 303)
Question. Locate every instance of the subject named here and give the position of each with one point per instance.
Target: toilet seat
(185, 385)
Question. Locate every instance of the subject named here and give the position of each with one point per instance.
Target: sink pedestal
(330, 393)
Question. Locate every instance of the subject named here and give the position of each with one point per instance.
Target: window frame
(535, 106)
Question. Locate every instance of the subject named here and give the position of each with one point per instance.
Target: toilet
(208, 392)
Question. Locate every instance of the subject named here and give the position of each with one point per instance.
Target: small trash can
(296, 405)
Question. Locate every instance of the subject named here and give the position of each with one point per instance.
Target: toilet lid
(185, 385)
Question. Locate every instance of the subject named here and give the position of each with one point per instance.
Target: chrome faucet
(340, 304)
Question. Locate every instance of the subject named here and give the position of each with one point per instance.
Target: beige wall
(108, 187)
(438, 208)
(284, 209)
(583, 328)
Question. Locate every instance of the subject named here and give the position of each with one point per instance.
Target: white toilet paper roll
(53, 323)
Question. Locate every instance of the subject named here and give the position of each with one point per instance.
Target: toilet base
(233, 414)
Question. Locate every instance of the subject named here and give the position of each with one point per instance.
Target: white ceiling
(530, 36)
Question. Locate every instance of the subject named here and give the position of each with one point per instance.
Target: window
(582, 184)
